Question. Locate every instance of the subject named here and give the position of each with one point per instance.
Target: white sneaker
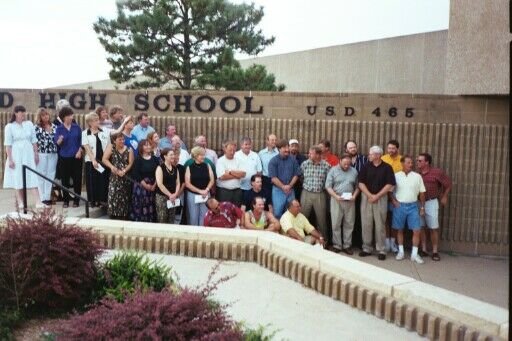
(400, 256)
(393, 247)
(417, 259)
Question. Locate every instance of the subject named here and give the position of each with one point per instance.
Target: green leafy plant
(126, 272)
(9, 318)
(261, 333)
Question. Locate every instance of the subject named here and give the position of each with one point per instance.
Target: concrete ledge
(433, 312)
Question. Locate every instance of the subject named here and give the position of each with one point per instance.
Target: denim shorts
(406, 212)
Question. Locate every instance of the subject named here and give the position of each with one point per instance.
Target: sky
(47, 43)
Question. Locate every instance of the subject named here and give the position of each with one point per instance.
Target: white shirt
(408, 187)
(210, 154)
(89, 138)
(184, 157)
(251, 164)
(223, 165)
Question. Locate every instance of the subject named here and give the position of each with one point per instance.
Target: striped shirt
(361, 160)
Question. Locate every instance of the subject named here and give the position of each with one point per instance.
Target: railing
(24, 169)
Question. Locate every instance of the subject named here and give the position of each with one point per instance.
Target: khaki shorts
(431, 219)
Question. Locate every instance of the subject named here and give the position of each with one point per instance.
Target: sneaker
(381, 256)
(417, 259)
(393, 248)
(400, 256)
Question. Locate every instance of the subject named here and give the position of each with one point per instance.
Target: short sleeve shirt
(299, 223)
(283, 168)
(251, 164)
(227, 216)
(408, 187)
(314, 175)
(395, 163)
(223, 165)
(435, 180)
(341, 181)
(376, 177)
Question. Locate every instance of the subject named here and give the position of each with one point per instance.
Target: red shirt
(227, 216)
(435, 181)
(332, 159)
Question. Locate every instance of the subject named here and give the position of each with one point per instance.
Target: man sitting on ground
(259, 219)
(295, 225)
(222, 214)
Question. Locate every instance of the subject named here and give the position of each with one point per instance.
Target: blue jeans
(280, 200)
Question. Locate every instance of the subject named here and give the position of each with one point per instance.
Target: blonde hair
(91, 117)
(196, 151)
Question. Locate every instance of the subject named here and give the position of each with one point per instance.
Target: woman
(68, 136)
(119, 159)
(143, 171)
(21, 145)
(104, 121)
(259, 219)
(154, 141)
(130, 140)
(95, 141)
(198, 180)
(168, 187)
(179, 212)
(47, 149)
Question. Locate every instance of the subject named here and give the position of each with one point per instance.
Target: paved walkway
(483, 278)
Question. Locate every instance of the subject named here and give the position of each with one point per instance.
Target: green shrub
(126, 272)
(9, 318)
(259, 334)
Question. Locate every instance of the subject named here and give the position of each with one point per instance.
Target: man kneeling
(295, 225)
(222, 214)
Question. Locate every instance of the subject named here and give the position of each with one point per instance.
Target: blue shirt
(72, 139)
(166, 143)
(131, 142)
(265, 157)
(141, 133)
(283, 168)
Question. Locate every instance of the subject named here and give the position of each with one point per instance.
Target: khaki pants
(370, 214)
(345, 212)
(317, 202)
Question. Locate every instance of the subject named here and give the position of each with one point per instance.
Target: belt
(431, 199)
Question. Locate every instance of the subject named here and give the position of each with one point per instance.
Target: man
(142, 129)
(376, 179)
(325, 146)
(341, 184)
(314, 172)
(176, 142)
(295, 225)
(257, 190)
(284, 173)
(249, 162)
(438, 185)
(266, 155)
(209, 153)
(357, 161)
(166, 141)
(229, 174)
(409, 185)
(295, 152)
(393, 159)
(116, 116)
(222, 214)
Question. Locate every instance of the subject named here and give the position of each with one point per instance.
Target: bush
(127, 272)
(258, 334)
(166, 315)
(9, 318)
(45, 263)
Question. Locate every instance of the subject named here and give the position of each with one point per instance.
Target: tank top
(199, 175)
(169, 179)
(261, 223)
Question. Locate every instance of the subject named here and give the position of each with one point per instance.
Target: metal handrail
(24, 169)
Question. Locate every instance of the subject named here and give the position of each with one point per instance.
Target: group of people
(138, 175)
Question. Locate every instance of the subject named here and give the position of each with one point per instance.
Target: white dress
(21, 138)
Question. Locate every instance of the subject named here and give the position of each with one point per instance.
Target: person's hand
(372, 199)
(444, 200)
(321, 241)
(422, 211)
(339, 198)
(172, 198)
(204, 193)
(78, 154)
(353, 198)
(12, 165)
(121, 172)
(36, 158)
(395, 203)
(153, 188)
(60, 139)
(95, 164)
(286, 189)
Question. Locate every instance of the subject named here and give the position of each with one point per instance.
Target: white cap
(292, 141)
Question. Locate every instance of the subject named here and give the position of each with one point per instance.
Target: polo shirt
(341, 181)
(251, 164)
(435, 180)
(332, 159)
(393, 162)
(226, 217)
(283, 168)
(314, 175)
(408, 187)
(376, 177)
(165, 142)
(299, 223)
(223, 165)
(141, 133)
(265, 157)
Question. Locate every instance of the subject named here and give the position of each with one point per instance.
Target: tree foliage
(178, 41)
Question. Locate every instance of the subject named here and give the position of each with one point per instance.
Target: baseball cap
(292, 141)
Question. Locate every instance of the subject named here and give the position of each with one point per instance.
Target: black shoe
(381, 256)
(422, 253)
(348, 251)
(364, 254)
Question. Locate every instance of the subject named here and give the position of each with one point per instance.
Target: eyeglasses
(418, 160)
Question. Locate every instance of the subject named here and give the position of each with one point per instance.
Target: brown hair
(18, 108)
(40, 112)
(150, 139)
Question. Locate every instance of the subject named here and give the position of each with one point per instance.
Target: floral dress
(119, 188)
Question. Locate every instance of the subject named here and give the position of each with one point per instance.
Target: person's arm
(273, 225)
(332, 193)
(248, 225)
(130, 161)
(318, 236)
(384, 191)
(121, 127)
(364, 189)
(355, 194)
(447, 186)
(211, 183)
(294, 234)
(181, 188)
(159, 179)
(106, 159)
(275, 180)
(422, 204)
(293, 181)
(237, 174)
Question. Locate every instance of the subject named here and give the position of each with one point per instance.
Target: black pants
(357, 236)
(96, 183)
(234, 196)
(71, 168)
(267, 183)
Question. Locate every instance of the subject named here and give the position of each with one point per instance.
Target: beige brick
(410, 318)
(389, 310)
(399, 314)
(335, 290)
(125, 242)
(158, 245)
(191, 248)
(174, 246)
(182, 247)
(421, 322)
(370, 302)
(344, 292)
(456, 332)
(361, 299)
(379, 306)
(504, 328)
(216, 250)
(167, 249)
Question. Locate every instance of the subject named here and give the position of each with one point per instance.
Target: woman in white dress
(21, 145)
